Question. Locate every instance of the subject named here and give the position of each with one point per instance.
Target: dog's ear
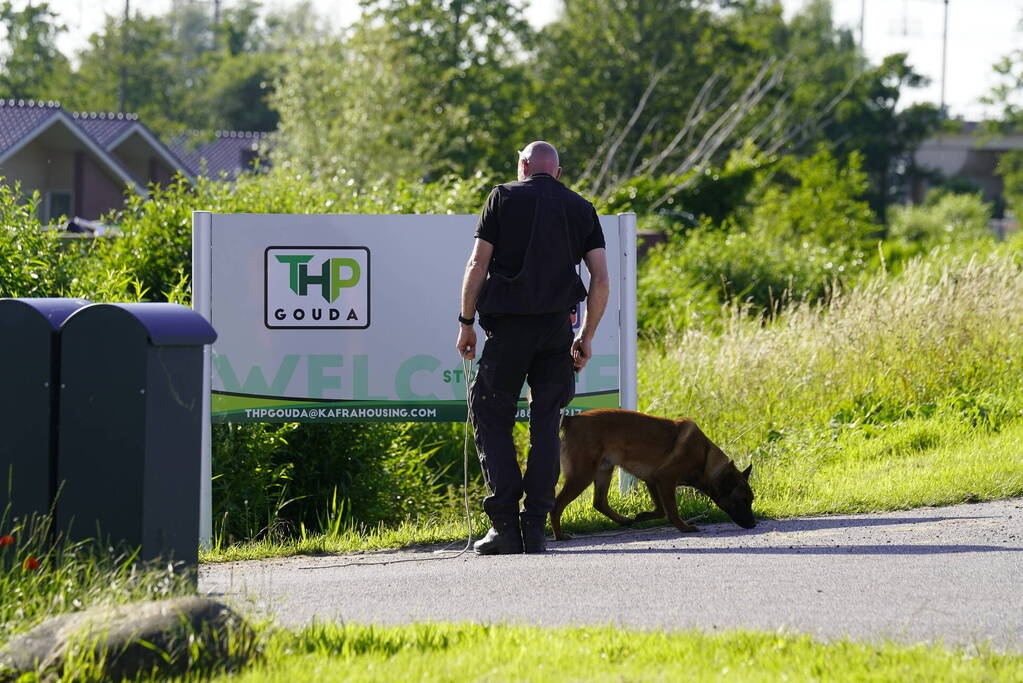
(746, 472)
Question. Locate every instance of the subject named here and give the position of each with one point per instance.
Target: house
(967, 154)
(225, 153)
(81, 163)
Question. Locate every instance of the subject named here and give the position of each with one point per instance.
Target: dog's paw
(688, 528)
(563, 537)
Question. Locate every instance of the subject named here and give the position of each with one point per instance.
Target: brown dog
(663, 453)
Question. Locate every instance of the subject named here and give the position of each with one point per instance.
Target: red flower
(30, 564)
(6, 540)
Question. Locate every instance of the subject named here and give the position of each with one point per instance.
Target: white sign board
(352, 318)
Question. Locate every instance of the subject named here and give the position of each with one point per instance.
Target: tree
(415, 89)
(158, 79)
(32, 67)
(1006, 94)
(465, 58)
(673, 88)
(183, 72)
(870, 123)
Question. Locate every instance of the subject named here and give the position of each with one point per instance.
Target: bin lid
(54, 311)
(166, 324)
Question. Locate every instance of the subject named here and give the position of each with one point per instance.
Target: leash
(466, 366)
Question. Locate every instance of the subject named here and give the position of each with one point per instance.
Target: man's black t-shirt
(507, 221)
(566, 228)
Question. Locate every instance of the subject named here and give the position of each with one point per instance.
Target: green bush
(669, 297)
(711, 195)
(683, 282)
(943, 219)
(1010, 167)
(280, 479)
(814, 200)
(156, 231)
(36, 261)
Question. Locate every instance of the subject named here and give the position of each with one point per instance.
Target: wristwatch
(466, 321)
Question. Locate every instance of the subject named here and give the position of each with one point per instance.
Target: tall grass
(943, 336)
(904, 391)
(43, 574)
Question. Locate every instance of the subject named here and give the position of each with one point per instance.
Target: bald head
(538, 157)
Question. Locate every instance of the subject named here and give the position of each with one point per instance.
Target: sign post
(627, 326)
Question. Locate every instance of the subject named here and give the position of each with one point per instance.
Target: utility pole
(216, 24)
(944, 61)
(122, 90)
(863, 12)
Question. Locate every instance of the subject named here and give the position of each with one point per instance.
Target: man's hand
(582, 351)
(466, 343)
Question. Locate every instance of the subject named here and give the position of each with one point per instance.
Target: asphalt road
(951, 574)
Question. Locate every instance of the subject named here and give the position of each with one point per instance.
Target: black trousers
(520, 348)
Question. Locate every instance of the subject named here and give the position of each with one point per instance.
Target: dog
(663, 453)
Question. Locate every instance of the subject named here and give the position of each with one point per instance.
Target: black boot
(502, 539)
(534, 535)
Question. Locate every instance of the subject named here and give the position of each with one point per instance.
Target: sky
(980, 32)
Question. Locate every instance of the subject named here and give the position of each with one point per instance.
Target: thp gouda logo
(316, 287)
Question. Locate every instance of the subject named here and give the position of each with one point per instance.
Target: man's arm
(596, 302)
(475, 274)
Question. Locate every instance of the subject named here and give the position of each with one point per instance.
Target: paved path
(953, 574)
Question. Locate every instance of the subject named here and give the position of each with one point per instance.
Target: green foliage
(1010, 167)
(156, 231)
(814, 199)
(39, 262)
(804, 235)
(416, 90)
(179, 71)
(278, 480)
(938, 338)
(669, 296)
(1005, 93)
(759, 272)
(712, 195)
(31, 66)
(871, 123)
(71, 576)
(943, 219)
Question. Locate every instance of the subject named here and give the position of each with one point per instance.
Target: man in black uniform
(523, 279)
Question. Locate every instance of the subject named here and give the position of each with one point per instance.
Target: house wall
(142, 161)
(971, 156)
(160, 172)
(29, 166)
(42, 168)
(96, 193)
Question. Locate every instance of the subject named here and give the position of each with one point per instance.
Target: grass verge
(918, 462)
(472, 652)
